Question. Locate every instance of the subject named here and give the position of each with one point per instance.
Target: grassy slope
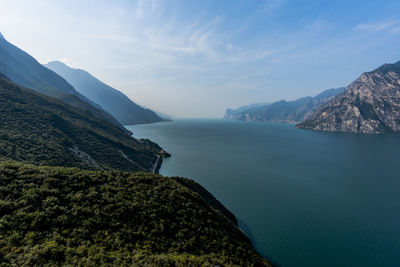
(57, 215)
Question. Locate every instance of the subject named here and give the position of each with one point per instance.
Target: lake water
(305, 198)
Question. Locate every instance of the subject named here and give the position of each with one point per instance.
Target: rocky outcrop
(85, 157)
(231, 114)
(371, 104)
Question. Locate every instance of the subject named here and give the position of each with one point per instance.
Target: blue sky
(197, 58)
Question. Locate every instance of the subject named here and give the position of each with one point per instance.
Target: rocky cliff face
(371, 104)
(231, 114)
(283, 111)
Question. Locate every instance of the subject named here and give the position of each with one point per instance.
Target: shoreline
(156, 165)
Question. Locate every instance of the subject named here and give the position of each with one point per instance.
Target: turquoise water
(304, 198)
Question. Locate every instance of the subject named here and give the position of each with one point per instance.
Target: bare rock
(370, 104)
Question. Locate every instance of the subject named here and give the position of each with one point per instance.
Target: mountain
(41, 130)
(370, 104)
(285, 111)
(100, 212)
(231, 113)
(164, 116)
(23, 69)
(56, 216)
(113, 101)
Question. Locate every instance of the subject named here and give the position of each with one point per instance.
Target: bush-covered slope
(56, 215)
(44, 131)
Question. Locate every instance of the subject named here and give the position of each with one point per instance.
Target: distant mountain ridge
(24, 70)
(284, 111)
(113, 101)
(231, 113)
(370, 104)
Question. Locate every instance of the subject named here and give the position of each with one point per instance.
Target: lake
(304, 198)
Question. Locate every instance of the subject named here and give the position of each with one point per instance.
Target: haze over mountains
(84, 183)
(231, 113)
(370, 104)
(44, 120)
(282, 111)
(113, 101)
(23, 69)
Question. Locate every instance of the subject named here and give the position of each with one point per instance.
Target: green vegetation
(44, 131)
(94, 214)
(68, 216)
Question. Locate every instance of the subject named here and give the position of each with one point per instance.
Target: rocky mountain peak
(387, 68)
(370, 104)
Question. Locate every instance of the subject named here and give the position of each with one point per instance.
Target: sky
(192, 58)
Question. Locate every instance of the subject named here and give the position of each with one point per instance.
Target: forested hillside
(45, 131)
(67, 216)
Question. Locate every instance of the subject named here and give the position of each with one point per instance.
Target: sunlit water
(304, 198)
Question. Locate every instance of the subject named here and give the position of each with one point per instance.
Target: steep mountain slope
(286, 111)
(113, 101)
(53, 216)
(164, 116)
(45, 131)
(69, 216)
(370, 104)
(23, 69)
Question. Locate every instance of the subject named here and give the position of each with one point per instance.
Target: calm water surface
(304, 198)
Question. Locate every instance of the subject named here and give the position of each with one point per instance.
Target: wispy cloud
(173, 55)
(380, 26)
(271, 5)
(395, 30)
